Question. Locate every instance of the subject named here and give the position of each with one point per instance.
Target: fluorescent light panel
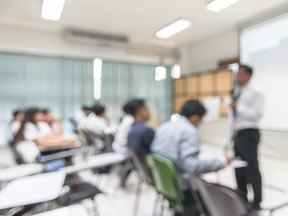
(176, 71)
(52, 9)
(173, 29)
(160, 73)
(219, 5)
(97, 77)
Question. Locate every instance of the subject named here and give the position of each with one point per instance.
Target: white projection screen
(265, 47)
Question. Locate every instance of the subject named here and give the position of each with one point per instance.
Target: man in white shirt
(121, 136)
(247, 109)
(96, 121)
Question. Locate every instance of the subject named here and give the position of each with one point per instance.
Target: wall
(206, 54)
(60, 84)
(36, 42)
(273, 143)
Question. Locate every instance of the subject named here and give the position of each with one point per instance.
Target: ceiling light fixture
(176, 71)
(160, 73)
(52, 9)
(173, 29)
(219, 5)
(97, 78)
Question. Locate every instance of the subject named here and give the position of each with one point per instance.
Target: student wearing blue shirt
(179, 141)
(140, 135)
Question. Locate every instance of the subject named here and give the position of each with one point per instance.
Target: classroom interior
(64, 57)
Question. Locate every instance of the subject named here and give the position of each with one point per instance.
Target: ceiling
(137, 19)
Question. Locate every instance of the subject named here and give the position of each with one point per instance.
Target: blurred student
(179, 141)
(97, 121)
(80, 116)
(140, 136)
(54, 124)
(18, 117)
(247, 110)
(121, 140)
(121, 137)
(30, 131)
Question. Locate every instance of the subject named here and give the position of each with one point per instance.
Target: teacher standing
(247, 109)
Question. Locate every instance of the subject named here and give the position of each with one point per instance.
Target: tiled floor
(121, 202)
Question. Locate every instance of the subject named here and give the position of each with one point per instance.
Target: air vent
(97, 38)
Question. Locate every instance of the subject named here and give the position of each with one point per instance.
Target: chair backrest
(142, 168)
(219, 200)
(165, 179)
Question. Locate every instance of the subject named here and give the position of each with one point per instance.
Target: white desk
(32, 190)
(12, 173)
(66, 211)
(97, 161)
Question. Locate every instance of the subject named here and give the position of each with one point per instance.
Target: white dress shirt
(121, 137)
(33, 132)
(95, 124)
(249, 110)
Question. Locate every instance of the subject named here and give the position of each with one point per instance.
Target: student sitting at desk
(96, 122)
(52, 122)
(121, 137)
(120, 142)
(31, 130)
(140, 135)
(18, 117)
(179, 141)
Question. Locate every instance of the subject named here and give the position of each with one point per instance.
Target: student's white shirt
(250, 109)
(15, 126)
(121, 137)
(95, 124)
(44, 128)
(33, 132)
(79, 117)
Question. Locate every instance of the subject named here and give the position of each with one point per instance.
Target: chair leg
(154, 213)
(137, 198)
(95, 209)
(162, 206)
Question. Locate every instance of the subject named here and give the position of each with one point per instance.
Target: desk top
(97, 161)
(32, 190)
(66, 211)
(12, 173)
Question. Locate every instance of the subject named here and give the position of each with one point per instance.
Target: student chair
(166, 182)
(144, 176)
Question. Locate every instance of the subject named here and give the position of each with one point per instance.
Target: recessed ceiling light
(173, 29)
(52, 9)
(219, 5)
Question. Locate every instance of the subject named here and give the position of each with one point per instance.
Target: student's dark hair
(17, 112)
(98, 109)
(248, 69)
(29, 117)
(193, 107)
(86, 108)
(135, 105)
(127, 108)
(44, 110)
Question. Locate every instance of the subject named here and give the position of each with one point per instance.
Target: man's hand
(228, 158)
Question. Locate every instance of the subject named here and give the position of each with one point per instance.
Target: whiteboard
(265, 47)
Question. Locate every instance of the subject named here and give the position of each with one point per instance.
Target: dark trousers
(246, 144)
(126, 169)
